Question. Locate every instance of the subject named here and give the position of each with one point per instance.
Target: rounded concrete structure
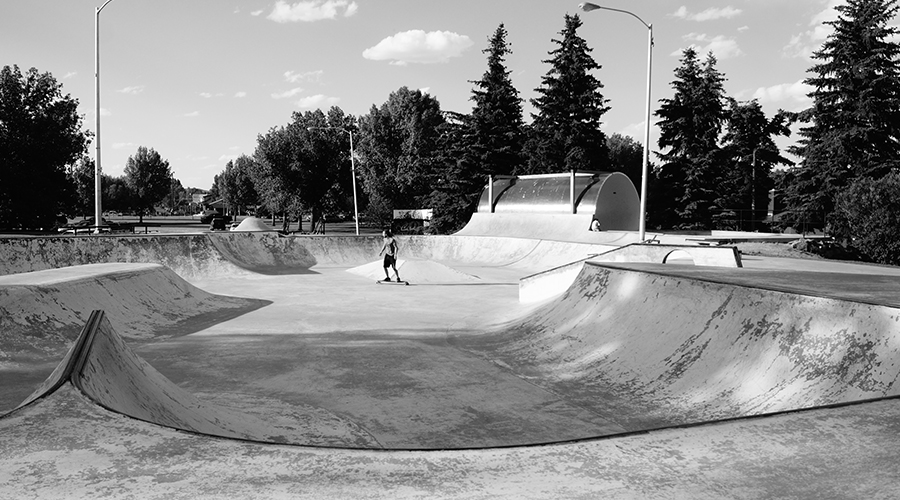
(609, 196)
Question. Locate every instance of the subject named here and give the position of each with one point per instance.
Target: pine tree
(487, 141)
(751, 154)
(496, 125)
(457, 185)
(565, 133)
(690, 124)
(854, 122)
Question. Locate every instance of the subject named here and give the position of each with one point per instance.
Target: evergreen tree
(496, 120)
(488, 141)
(690, 124)
(751, 154)
(457, 186)
(565, 134)
(853, 127)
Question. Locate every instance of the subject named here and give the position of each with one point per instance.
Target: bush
(866, 216)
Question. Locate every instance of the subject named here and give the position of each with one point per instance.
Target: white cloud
(256, 13)
(720, 46)
(227, 158)
(417, 46)
(241, 94)
(317, 101)
(805, 43)
(793, 95)
(123, 145)
(206, 95)
(192, 114)
(70, 74)
(311, 10)
(309, 76)
(710, 14)
(136, 89)
(287, 93)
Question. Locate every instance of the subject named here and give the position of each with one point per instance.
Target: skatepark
(256, 365)
(249, 364)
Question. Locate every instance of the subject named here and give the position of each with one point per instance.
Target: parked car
(206, 216)
(219, 222)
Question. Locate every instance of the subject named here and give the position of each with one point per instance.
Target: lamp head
(588, 6)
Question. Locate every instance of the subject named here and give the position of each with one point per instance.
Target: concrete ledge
(557, 280)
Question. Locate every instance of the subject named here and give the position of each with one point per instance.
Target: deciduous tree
(237, 187)
(399, 151)
(866, 215)
(627, 156)
(297, 165)
(149, 179)
(40, 134)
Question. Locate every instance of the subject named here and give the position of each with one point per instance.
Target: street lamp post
(642, 225)
(352, 170)
(98, 206)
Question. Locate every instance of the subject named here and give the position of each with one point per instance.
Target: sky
(200, 80)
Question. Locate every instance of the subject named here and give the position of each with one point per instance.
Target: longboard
(393, 282)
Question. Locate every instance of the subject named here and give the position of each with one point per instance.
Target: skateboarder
(389, 249)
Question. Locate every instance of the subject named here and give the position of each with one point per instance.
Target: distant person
(595, 225)
(389, 249)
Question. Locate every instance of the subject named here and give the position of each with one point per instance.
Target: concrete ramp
(145, 300)
(107, 371)
(264, 253)
(191, 256)
(653, 347)
(254, 224)
(42, 312)
(556, 227)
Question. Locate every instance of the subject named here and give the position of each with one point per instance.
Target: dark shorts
(389, 260)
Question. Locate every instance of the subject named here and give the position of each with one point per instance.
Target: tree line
(716, 165)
